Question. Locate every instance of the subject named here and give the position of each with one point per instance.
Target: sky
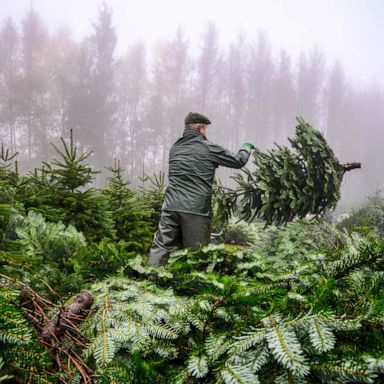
(350, 31)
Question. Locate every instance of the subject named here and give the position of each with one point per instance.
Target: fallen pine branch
(53, 332)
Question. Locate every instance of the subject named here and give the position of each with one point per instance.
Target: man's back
(185, 219)
(191, 174)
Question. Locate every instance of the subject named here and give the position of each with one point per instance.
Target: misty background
(123, 75)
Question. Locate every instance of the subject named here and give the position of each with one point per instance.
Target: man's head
(197, 122)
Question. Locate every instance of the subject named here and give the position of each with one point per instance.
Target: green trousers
(178, 230)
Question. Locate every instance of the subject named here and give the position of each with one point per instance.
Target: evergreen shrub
(370, 216)
(235, 314)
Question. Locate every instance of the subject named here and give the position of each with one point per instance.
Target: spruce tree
(129, 214)
(35, 191)
(9, 207)
(6, 158)
(86, 209)
(153, 196)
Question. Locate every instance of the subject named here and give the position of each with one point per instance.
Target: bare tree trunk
(29, 137)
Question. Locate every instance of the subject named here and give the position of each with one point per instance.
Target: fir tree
(87, 209)
(130, 216)
(288, 184)
(6, 158)
(153, 196)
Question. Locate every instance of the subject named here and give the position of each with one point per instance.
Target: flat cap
(196, 118)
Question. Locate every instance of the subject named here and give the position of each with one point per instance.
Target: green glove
(248, 146)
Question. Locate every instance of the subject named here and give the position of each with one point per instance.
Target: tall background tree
(9, 77)
(93, 107)
(131, 87)
(35, 76)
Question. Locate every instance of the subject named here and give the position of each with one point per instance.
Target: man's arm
(221, 156)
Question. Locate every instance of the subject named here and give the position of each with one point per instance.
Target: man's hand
(248, 146)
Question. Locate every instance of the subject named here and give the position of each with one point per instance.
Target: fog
(123, 74)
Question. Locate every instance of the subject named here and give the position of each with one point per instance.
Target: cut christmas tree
(290, 183)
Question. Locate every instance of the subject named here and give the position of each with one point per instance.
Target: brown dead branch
(27, 288)
(54, 330)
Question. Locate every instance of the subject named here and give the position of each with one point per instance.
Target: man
(186, 212)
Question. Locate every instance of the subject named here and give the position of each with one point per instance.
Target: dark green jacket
(192, 163)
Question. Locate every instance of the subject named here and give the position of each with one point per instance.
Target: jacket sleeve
(221, 156)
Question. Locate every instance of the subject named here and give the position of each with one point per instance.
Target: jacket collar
(192, 132)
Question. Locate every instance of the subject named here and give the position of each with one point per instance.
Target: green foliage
(87, 211)
(240, 232)
(14, 328)
(53, 241)
(130, 215)
(153, 197)
(44, 249)
(288, 184)
(286, 309)
(100, 259)
(70, 173)
(10, 216)
(6, 159)
(10, 210)
(223, 203)
(4, 377)
(370, 216)
(36, 191)
(137, 318)
(24, 359)
(301, 303)
(59, 194)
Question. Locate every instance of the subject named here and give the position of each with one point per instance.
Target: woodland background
(131, 106)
